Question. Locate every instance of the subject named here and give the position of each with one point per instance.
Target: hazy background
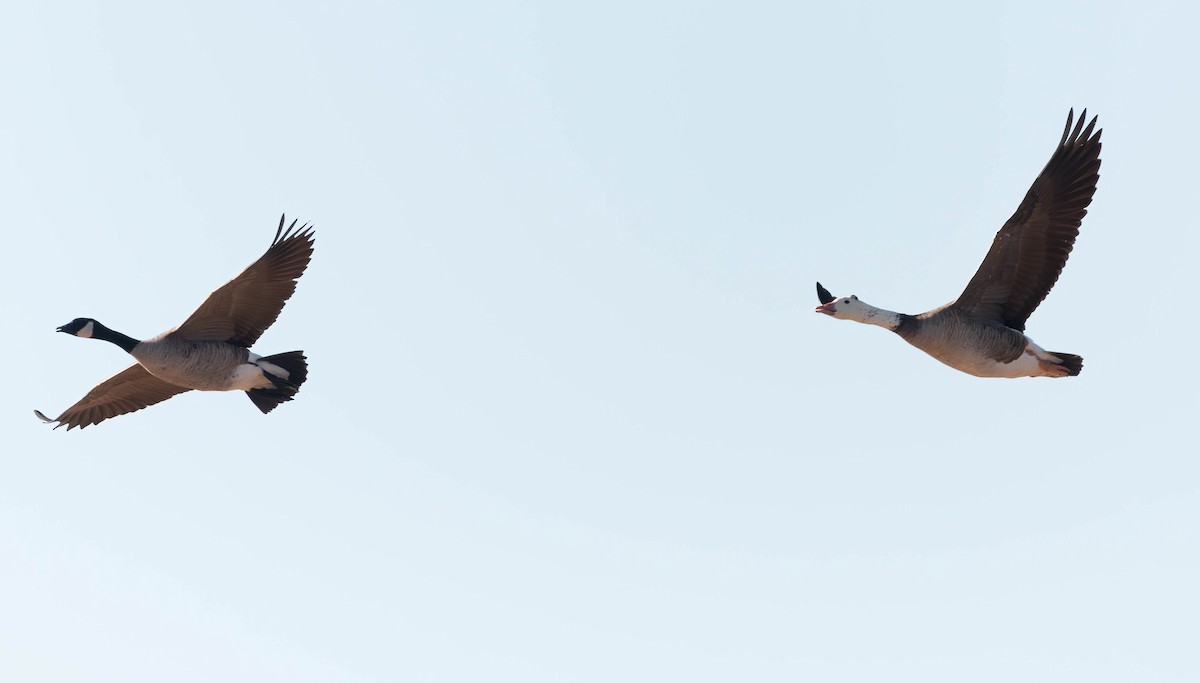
(570, 415)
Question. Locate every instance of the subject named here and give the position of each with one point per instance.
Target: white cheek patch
(86, 330)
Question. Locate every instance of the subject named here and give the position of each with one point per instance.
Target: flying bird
(210, 351)
(982, 332)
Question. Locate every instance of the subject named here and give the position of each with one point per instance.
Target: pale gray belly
(205, 366)
(978, 365)
(979, 350)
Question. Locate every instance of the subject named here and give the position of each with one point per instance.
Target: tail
(1073, 363)
(285, 388)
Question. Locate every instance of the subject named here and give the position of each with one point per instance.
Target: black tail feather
(267, 399)
(285, 387)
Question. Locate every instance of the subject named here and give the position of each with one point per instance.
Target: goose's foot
(1050, 369)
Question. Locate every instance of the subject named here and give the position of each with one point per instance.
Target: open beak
(827, 309)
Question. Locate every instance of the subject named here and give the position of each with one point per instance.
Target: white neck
(870, 315)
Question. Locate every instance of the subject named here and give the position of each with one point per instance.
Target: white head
(850, 308)
(845, 308)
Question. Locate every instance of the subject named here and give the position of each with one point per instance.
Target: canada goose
(210, 351)
(982, 333)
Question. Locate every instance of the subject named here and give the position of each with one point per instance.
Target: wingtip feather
(42, 416)
(823, 294)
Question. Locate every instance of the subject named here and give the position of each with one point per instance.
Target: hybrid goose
(982, 333)
(210, 351)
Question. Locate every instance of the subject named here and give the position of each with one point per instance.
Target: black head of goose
(210, 351)
(982, 332)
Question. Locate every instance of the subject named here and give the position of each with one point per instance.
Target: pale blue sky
(570, 416)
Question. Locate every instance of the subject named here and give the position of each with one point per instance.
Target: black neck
(124, 341)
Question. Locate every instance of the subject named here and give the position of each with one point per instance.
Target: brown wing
(1031, 249)
(131, 389)
(242, 309)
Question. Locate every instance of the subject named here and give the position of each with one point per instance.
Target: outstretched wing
(1031, 249)
(131, 389)
(242, 309)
